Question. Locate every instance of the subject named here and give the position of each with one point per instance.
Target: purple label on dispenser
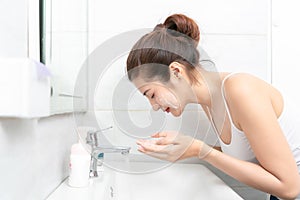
(42, 70)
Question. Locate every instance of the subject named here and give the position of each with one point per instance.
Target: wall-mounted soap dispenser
(24, 88)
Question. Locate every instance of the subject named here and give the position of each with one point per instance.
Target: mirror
(64, 48)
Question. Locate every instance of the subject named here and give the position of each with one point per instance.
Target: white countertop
(176, 182)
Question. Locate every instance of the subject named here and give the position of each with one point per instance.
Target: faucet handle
(92, 136)
(99, 131)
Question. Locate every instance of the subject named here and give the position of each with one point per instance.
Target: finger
(139, 142)
(159, 134)
(162, 156)
(165, 141)
(141, 149)
(151, 147)
(154, 146)
(142, 142)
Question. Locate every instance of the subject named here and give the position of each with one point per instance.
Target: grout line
(54, 189)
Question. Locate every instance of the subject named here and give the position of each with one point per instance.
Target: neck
(208, 88)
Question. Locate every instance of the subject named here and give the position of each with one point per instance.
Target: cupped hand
(171, 146)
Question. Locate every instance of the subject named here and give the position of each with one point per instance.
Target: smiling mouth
(167, 110)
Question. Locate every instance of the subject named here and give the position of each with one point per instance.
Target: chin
(176, 113)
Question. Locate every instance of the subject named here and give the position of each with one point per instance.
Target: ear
(176, 69)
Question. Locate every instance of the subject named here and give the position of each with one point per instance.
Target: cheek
(168, 99)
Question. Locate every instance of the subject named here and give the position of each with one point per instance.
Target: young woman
(255, 125)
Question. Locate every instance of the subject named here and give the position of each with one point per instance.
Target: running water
(127, 165)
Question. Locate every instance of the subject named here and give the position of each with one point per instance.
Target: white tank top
(239, 146)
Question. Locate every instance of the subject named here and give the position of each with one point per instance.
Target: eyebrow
(145, 92)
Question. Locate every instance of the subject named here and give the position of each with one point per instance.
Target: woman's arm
(253, 175)
(277, 173)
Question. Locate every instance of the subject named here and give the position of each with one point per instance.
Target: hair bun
(182, 24)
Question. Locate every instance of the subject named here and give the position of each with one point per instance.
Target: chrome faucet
(97, 150)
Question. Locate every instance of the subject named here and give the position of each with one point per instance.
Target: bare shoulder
(245, 91)
(245, 94)
(244, 85)
(239, 87)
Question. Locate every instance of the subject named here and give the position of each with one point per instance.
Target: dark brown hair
(174, 40)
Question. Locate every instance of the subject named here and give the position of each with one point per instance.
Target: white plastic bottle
(79, 166)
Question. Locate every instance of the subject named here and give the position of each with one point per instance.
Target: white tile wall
(113, 84)
(13, 34)
(69, 50)
(238, 53)
(214, 16)
(285, 48)
(34, 156)
(69, 16)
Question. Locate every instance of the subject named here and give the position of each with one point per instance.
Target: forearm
(249, 173)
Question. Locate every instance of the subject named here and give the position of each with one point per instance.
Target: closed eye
(145, 93)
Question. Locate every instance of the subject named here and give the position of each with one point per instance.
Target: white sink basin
(175, 182)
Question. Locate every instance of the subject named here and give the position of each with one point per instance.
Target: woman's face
(160, 96)
(171, 96)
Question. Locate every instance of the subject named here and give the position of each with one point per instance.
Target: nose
(155, 106)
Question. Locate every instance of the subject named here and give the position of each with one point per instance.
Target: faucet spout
(104, 149)
(96, 149)
(111, 149)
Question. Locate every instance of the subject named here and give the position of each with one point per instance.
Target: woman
(260, 142)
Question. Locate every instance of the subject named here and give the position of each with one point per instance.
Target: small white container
(79, 166)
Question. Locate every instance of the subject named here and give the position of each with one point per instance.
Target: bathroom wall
(285, 48)
(17, 46)
(34, 155)
(33, 152)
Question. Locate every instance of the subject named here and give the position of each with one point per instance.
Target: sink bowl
(176, 182)
(173, 182)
